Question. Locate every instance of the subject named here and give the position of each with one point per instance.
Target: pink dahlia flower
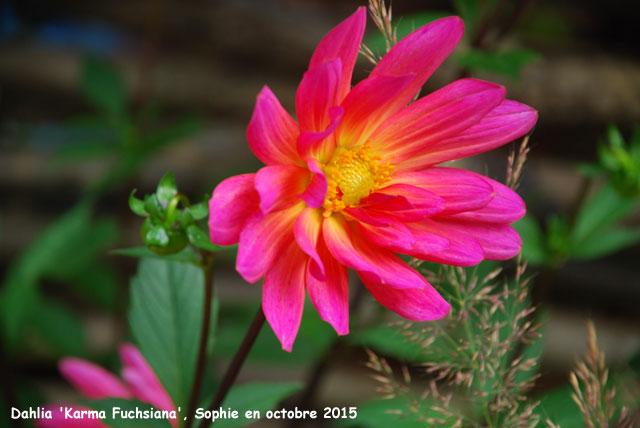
(94, 382)
(353, 182)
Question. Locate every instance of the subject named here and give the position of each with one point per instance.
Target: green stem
(207, 267)
(236, 364)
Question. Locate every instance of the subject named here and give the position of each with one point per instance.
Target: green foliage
(187, 255)
(165, 317)
(261, 396)
(384, 414)
(64, 252)
(103, 86)
(507, 62)
(558, 406)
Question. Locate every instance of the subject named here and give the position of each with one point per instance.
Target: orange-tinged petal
(279, 186)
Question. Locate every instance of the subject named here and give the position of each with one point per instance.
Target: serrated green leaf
(157, 235)
(508, 62)
(199, 238)
(260, 396)
(600, 212)
(165, 318)
(103, 86)
(533, 240)
(167, 189)
(199, 210)
(185, 256)
(606, 242)
(136, 205)
(109, 404)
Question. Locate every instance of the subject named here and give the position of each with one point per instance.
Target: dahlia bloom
(94, 382)
(353, 182)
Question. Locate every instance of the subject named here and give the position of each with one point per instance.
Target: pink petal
(505, 123)
(423, 202)
(367, 216)
(316, 191)
(331, 295)
(460, 189)
(92, 380)
(59, 421)
(262, 239)
(439, 115)
(233, 201)
(367, 105)
(463, 250)
(272, 132)
(279, 185)
(306, 232)
(283, 294)
(420, 53)
(505, 207)
(142, 380)
(498, 241)
(350, 248)
(317, 93)
(424, 304)
(342, 42)
(320, 145)
(394, 236)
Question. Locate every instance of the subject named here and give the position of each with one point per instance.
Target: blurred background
(99, 98)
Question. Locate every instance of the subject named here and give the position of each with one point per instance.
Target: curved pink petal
(279, 186)
(58, 419)
(505, 207)
(367, 105)
(283, 294)
(462, 249)
(505, 123)
(419, 53)
(142, 380)
(92, 380)
(331, 295)
(317, 93)
(460, 189)
(423, 202)
(320, 145)
(316, 191)
(233, 201)
(424, 304)
(306, 232)
(498, 241)
(262, 239)
(363, 215)
(272, 132)
(394, 236)
(442, 114)
(349, 247)
(342, 42)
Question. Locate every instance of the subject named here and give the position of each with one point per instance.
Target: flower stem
(236, 364)
(207, 267)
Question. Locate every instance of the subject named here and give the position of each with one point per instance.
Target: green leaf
(136, 205)
(157, 235)
(383, 414)
(109, 404)
(260, 396)
(167, 189)
(103, 86)
(153, 207)
(508, 62)
(175, 132)
(165, 318)
(199, 210)
(533, 240)
(60, 328)
(186, 255)
(558, 406)
(199, 239)
(599, 213)
(606, 242)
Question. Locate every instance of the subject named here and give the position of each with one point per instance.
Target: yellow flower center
(353, 174)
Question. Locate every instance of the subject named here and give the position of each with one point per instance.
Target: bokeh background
(98, 98)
